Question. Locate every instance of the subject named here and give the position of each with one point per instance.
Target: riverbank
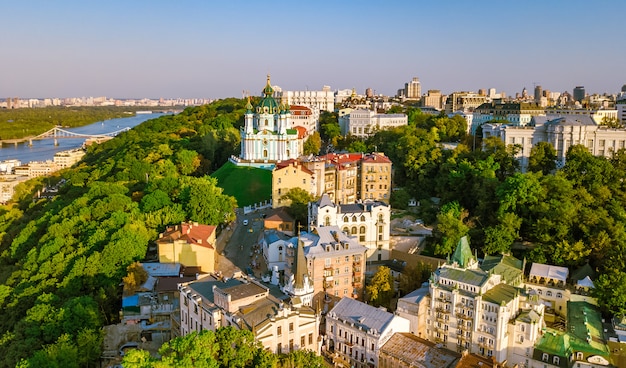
(21, 124)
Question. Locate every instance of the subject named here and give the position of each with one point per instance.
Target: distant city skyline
(197, 49)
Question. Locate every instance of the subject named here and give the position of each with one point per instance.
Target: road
(235, 248)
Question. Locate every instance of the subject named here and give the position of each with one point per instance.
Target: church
(268, 134)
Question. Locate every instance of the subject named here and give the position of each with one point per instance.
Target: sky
(218, 49)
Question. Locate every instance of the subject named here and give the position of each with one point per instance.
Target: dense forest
(20, 123)
(61, 260)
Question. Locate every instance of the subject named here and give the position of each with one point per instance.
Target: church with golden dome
(268, 135)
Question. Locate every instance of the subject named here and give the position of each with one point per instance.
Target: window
(311, 338)
(302, 341)
(544, 357)
(291, 327)
(555, 360)
(279, 330)
(346, 259)
(579, 355)
(327, 262)
(362, 230)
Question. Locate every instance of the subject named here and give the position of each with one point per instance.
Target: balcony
(329, 284)
(464, 316)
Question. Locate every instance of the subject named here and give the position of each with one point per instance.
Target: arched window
(265, 122)
(353, 230)
(345, 219)
(380, 217)
(579, 355)
(559, 295)
(327, 221)
(362, 218)
(353, 218)
(265, 153)
(362, 230)
(346, 230)
(287, 153)
(548, 293)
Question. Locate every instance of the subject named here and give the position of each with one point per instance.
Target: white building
(356, 331)
(268, 135)
(413, 307)
(561, 133)
(367, 221)
(323, 100)
(274, 246)
(67, 158)
(280, 326)
(363, 123)
(597, 115)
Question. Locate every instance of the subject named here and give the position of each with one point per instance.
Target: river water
(44, 149)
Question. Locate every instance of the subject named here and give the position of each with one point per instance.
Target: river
(45, 149)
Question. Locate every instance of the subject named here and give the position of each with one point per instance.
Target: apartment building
(288, 175)
(281, 326)
(355, 332)
(369, 222)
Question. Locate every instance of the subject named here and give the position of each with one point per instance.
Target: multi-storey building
(561, 133)
(267, 134)
(597, 115)
(280, 326)
(368, 222)
(323, 100)
(433, 98)
(363, 123)
(288, 175)
(349, 177)
(471, 306)
(190, 244)
(307, 117)
(68, 158)
(413, 89)
(335, 262)
(463, 101)
(355, 332)
(516, 113)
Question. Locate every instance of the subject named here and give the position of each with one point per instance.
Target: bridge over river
(58, 133)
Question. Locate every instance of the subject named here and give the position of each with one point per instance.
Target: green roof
(584, 325)
(471, 277)
(269, 101)
(462, 254)
(292, 131)
(554, 342)
(500, 294)
(510, 268)
(529, 316)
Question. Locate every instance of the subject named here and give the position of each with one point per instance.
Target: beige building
(68, 158)
(335, 263)
(281, 326)
(7, 186)
(189, 244)
(433, 99)
(323, 100)
(288, 175)
(364, 122)
(349, 177)
(463, 101)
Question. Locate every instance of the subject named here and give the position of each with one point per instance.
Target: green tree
(610, 290)
(498, 239)
(313, 144)
(542, 158)
(413, 276)
(450, 228)
(205, 203)
(301, 358)
(357, 146)
(329, 126)
(298, 204)
(381, 288)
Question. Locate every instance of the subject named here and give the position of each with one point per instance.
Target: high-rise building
(538, 94)
(579, 93)
(413, 89)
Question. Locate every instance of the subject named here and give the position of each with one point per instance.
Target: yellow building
(375, 175)
(287, 175)
(189, 244)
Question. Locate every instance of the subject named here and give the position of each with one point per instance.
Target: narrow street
(235, 246)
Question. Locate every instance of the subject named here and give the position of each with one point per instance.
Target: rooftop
(501, 294)
(419, 353)
(549, 271)
(361, 315)
(466, 276)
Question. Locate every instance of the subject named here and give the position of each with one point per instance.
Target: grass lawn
(248, 184)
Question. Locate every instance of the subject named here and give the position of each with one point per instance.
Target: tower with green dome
(267, 135)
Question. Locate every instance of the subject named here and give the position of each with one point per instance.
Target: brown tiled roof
(192, 233)
(300, 110)
(289, 163)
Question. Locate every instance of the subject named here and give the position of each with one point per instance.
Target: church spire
(268, 90)
(300, 268)
(462, 254)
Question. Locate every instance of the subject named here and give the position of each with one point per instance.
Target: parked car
(245, 222)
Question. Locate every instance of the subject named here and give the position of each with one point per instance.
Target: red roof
(292, 163)
(300, 110)
(376, 158)
(302, 132)
(192, 233)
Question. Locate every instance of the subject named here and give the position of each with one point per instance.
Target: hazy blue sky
(214, 49)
